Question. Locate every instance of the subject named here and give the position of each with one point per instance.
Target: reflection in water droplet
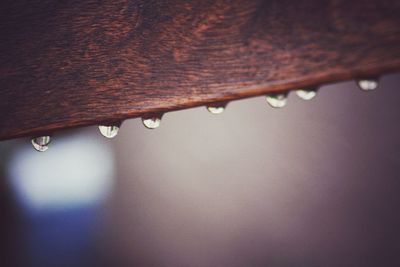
(368, 84)
(306, 94)
(41, 143)
(216, 109)
(277, 100)
(109, 131)
(152, 122)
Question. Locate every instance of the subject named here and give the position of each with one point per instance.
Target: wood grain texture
(72, 63)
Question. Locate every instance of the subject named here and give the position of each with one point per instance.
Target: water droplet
(41, 143)
(277, 100)
(109, 131)
(368, 84)
(306, 94)
(216, 109)
(152, 122)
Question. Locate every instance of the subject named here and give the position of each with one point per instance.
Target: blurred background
(313, 184)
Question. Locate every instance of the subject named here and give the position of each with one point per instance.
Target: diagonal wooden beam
(72, 63)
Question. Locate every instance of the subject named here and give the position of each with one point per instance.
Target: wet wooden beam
(72, 63)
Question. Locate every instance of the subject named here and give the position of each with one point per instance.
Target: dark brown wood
(72, 63)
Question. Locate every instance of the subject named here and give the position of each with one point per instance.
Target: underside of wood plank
(71, 63)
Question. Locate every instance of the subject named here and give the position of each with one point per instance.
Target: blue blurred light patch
(76, 171)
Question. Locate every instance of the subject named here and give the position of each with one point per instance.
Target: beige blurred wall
(312, 184)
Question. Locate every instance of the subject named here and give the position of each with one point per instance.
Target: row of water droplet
(275, 100)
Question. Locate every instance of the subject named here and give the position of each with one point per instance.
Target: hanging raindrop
(41, 143)
(217, 109)
(306, 94)
(277, 100)
(109, 131)
(368, 84)
(152, 121)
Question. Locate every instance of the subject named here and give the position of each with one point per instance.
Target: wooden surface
(72, 63)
